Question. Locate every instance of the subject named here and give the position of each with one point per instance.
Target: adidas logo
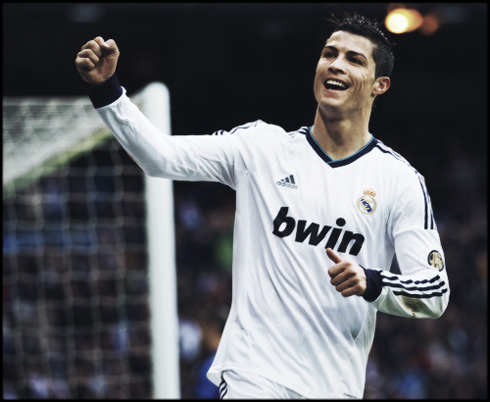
(287, 182)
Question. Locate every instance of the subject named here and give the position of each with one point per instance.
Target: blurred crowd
(75, 307)
(75, 283)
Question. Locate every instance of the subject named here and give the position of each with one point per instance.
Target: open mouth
(335, 85)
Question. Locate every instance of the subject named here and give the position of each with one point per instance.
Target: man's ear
(381, 85)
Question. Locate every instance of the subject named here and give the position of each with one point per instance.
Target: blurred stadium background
(76, 323)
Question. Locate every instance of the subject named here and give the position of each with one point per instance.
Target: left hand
(348, 277)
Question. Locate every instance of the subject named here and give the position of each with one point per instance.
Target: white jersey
(287, 322)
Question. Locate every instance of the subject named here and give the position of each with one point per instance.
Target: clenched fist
(97, 60)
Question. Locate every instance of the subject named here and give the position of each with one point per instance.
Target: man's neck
(339, 137)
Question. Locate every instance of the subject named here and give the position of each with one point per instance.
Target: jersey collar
(339, 162)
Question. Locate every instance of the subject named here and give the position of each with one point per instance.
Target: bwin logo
(284, 225)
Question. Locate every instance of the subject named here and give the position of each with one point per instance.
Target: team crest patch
(435, 260)
(366, 203)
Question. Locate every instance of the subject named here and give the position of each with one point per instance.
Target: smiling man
(321, 212)
(346, 83)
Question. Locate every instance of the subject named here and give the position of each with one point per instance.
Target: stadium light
(403, 20)
(430, 25)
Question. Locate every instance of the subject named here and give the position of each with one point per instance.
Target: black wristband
(374, 284)
(105, 93)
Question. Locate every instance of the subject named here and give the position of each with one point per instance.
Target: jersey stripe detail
(421, 296)
(428, 205)
(425, 202)
(241, 127)
(245, 126)
(429, 215)
(222, 388)
(303, 130)
(387, 150)
(421, 289)
(429, 221)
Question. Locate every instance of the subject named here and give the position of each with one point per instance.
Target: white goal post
(44, 134)
(162, 275)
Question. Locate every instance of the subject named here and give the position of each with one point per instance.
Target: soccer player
(320, 214)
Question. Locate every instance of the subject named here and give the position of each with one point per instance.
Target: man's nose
(337, 65)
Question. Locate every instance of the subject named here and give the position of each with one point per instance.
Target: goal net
(89, 294)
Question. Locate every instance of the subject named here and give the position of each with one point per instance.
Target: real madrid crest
(366, 203)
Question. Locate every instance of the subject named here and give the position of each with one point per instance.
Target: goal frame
(154, 102)
(161, 259)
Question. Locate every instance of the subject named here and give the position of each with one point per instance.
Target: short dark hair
(368, 28)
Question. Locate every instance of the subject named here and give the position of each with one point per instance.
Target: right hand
(97, 60)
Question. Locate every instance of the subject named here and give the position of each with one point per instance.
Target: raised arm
(193, 158)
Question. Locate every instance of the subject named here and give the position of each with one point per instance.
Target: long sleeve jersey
(286, 321)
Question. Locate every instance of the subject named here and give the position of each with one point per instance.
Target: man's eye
(357, 61)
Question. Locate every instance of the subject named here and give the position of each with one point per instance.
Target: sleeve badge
(435, 260)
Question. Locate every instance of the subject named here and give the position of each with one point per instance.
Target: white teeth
(336, 83)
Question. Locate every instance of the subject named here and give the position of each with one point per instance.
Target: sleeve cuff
(374, 284)
(105, 93)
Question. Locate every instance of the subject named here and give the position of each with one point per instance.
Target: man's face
(345, 73)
